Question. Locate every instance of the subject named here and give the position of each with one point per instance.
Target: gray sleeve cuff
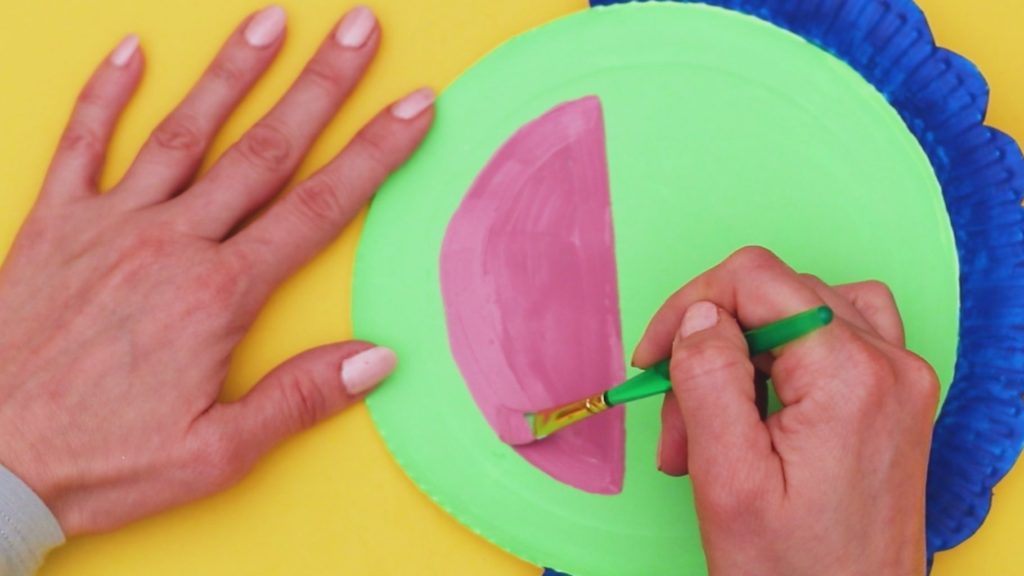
(28, 529)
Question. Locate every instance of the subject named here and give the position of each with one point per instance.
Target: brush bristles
(548, 422)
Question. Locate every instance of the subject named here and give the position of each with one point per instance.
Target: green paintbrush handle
(655, 380)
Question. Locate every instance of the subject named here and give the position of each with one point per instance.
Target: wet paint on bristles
(548, 422)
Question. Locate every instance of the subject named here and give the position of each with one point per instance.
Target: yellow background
(331, 501)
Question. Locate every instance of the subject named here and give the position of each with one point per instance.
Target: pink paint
(530, 292)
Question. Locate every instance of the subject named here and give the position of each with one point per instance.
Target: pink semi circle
(530, 291)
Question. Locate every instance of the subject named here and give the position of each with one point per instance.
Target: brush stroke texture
(530, 291)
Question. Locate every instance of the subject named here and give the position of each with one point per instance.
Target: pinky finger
(875, 301)
(78, 161)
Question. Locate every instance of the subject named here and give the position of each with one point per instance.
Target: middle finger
(842, 307)
(255, 167)
(171, 156)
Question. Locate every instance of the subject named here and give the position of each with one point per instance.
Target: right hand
(834, 483)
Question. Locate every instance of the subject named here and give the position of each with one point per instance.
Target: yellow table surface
(332, 501)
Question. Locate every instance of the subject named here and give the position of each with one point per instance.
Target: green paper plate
(722, 131)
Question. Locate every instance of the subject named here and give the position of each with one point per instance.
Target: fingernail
(412, 105)
(124, 51)
(355, 27)
(266, 26)
(366, 369)
(699, 316)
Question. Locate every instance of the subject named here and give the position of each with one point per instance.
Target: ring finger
(173, 153)
(258, 165)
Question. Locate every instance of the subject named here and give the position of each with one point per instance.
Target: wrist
(28, 530)
(25, 462)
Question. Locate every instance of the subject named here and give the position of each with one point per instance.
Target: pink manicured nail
(266, 26)
(355, 27)
(366, 369)
(412, 105)
(699, 316)
(124, 51)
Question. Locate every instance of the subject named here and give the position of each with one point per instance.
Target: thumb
(729, 448)
(304, 390)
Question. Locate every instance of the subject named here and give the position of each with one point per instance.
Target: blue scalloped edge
(943, 99)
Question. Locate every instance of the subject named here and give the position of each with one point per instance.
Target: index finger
(752, 284)
(758, 288)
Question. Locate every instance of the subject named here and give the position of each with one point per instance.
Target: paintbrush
(655, 380)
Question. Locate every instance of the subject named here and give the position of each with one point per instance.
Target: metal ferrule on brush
(551, 421)
(657, 380)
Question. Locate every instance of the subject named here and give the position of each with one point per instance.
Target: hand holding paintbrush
(834, 482)
(655, 380)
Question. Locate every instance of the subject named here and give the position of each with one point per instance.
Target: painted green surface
(722, 131)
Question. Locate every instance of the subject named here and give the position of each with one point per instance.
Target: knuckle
(878, 290)
(373, 150)
(697, 362)
(227, 72)
(790, 423)
(233, 280)
(754, 257)
(324, 76)
(921, 379)
(266, 147)
(812, 279)
(179, 133)
(91, 96)
(304, 402)
(81, 140)
(876, 375)
(236, 264)
(317, 201)
(241, 261)
(218, 288)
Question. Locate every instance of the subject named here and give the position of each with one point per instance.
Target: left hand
(120, 311)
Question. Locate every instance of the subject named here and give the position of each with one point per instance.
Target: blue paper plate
(943, 99)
